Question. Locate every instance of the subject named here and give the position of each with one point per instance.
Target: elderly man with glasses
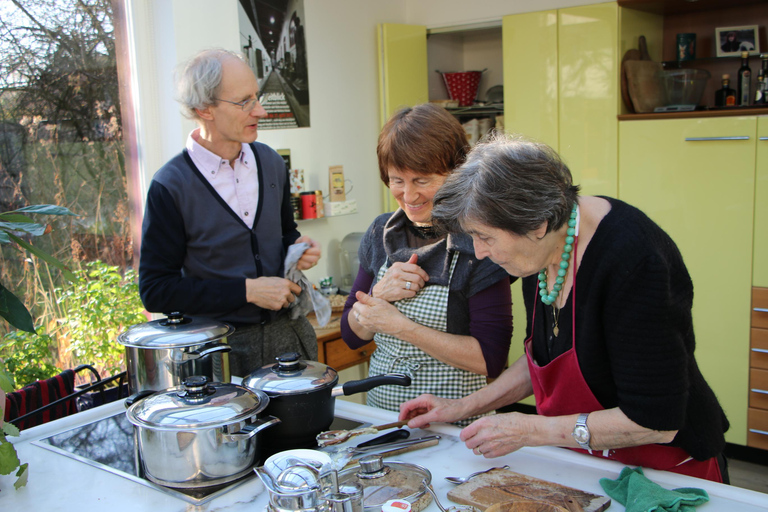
(218, 220)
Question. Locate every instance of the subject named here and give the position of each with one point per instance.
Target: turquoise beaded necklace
(548, 297)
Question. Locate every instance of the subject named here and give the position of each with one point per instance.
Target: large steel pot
(162, 353)
(199, 434)
(303, 395)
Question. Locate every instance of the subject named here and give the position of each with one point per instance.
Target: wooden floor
(748, 475)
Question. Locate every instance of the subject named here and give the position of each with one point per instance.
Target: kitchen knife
(395, 435)
(413, 444)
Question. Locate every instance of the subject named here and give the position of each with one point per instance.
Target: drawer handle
(763, 138)
(756, 431)
(763, 391)
(700, 139)
(760, 310)
(761, 350)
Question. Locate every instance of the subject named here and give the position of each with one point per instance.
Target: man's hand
(311, 255)
(273, 293)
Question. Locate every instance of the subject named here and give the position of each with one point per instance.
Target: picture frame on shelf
(731, 41)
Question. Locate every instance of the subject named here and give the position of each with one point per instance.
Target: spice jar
(308, 205)
(296, 205)
(319, 204)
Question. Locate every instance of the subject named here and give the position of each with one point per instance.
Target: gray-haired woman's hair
(198, 80)
(508, 183)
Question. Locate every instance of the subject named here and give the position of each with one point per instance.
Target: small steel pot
(162, 353)
(303, 395)
(199, 434)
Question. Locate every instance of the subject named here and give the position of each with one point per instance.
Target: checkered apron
(429, 308)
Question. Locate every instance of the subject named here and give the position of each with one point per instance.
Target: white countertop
(60, 483)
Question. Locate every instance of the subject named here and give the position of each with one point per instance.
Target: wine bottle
(761, 89)
(725, 97)
(745, 79)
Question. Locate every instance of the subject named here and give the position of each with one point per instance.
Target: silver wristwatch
(581, 432)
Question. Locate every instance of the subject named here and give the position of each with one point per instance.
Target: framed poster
(275, 46)
(731, 41)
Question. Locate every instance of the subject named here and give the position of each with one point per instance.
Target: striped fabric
(38, 394)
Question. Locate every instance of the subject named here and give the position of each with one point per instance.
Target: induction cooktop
(110, 444)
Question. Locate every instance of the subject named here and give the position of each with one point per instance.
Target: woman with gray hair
(611, 367)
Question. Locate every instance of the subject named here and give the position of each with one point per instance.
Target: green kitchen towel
(638, 494)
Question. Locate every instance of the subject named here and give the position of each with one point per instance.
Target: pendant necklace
(548, 297)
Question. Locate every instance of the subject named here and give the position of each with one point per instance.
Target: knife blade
(391, 449)
(395, 435)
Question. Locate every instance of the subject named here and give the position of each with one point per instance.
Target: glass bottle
(725, 97)
(761, 89)
(745, 78)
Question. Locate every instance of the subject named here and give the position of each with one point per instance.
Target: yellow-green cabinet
(760, 262)
(563, 88)
(696, 179)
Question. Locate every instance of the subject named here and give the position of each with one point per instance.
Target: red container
(308, 205)
(462, 86)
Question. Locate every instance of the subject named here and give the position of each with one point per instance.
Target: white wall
(342, 60)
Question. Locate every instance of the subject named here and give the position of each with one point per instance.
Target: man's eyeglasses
(246, 105)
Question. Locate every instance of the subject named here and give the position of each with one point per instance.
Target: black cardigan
(634, 331)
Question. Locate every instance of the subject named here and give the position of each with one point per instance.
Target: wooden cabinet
(696, 179)
(332, 350)
(757, 421)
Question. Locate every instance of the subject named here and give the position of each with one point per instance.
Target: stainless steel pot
(199, 434)
(162, 353)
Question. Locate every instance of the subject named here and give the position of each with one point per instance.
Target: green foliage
(27, 356)
(97, 308)
(14, 225)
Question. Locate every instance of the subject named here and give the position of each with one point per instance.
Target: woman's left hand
(377, 315)
(497, 435)
(401, 281)
(311, 255)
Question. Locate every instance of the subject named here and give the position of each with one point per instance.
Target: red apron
(560, 389)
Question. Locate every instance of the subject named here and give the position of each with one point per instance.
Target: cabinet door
(698, 185)
(588, 95)
(760, 262)
(402, 59)
(530, 75)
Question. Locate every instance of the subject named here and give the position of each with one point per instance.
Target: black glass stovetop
(109, 444)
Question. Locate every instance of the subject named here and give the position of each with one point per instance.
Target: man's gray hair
(198, 80)
(509, 183)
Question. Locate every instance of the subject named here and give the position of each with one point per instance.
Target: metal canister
(308, 205)
(319, 203)
(296, 204)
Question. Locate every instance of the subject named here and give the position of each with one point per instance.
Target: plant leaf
(14, 217)
(11, 430)
(6, 383)
(4, 238)
(45, 256)
(14, 312)
(8, 458)
(47, 209)
(32, 228)
(22, 476)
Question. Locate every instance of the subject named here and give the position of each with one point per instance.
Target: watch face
(581, 434)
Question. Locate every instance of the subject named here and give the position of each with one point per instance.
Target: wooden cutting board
(501, 485)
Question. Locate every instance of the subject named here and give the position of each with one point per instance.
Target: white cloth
(309, 298)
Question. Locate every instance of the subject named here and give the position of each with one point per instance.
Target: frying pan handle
(358, 386)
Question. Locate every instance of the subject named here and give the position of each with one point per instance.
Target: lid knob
(196, 385)
(372, 466)
(288, 361)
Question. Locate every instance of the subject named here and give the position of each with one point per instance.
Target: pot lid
(175, 331)
(197, 404)
(291, 376)
(383, 481)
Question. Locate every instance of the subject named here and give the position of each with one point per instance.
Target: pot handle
(250, 430)
(141, 395)
(208, 349)
(358, 386)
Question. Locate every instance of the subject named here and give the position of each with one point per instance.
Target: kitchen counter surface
(60, 483)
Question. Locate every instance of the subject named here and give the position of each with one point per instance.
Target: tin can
(319, 203)
(308, 205)
(296, 204)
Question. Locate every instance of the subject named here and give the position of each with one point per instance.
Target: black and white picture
(731, 41)
(273, 42)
